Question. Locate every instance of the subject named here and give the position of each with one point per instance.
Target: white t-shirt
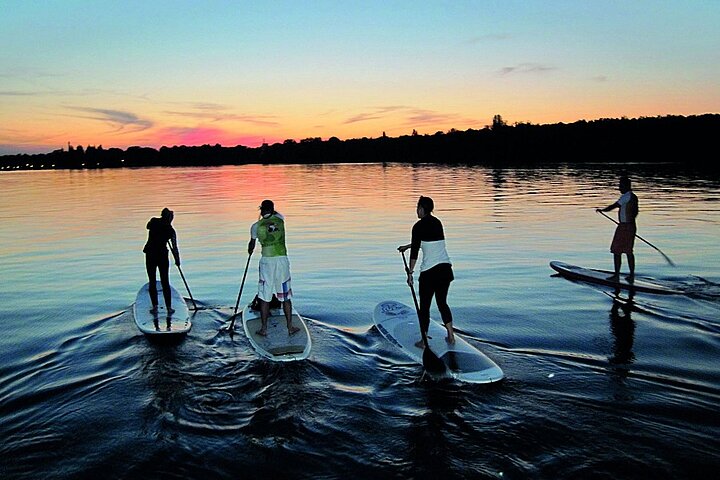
(624, 202)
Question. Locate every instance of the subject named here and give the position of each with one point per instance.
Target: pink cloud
(191, 136)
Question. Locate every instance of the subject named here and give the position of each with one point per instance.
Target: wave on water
(172, 408)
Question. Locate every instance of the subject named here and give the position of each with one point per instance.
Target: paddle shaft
(182, 275)
(417, 306)
(242, 284)
(641, 238)
(187, 288)
(431, 361)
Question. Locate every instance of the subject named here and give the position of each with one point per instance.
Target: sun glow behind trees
(245, 73)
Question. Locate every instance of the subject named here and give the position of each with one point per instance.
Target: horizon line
(414, 133)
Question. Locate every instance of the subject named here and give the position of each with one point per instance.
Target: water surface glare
(596, 386)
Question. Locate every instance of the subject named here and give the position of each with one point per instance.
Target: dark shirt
(427, 229)
(160, 232)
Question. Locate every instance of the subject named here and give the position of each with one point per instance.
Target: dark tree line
(688, 140)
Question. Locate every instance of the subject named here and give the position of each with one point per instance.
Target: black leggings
(161, 263)
(435, 282)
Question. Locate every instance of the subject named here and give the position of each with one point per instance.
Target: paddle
(185, 282)
(186, 287)
(431, 362)
(242, 284)
(667, 259)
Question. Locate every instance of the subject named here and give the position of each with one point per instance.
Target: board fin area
(161, 323)
(398, 323)
(277, 344)
(638, 283)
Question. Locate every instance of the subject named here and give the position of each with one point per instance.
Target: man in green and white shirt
(274, 264)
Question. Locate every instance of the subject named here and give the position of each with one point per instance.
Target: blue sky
(155, 73)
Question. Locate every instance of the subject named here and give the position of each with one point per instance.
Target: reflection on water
(622, 328)
(587, 368)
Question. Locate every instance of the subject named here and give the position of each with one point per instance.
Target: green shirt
(271, 233)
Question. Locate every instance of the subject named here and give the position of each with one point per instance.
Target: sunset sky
(153, 73)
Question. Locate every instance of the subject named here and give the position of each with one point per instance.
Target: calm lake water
(593, 389)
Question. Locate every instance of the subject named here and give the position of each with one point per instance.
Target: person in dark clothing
(435, 270)
(160, 232)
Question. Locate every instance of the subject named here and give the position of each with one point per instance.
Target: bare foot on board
(451, 334)
(292, 330)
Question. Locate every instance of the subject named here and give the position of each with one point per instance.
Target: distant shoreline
(646, 140)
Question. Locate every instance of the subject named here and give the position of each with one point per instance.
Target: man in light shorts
(624, 238)
(274, 264)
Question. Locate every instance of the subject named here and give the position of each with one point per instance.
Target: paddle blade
(667, 259)
(433, 365)
(232, 323)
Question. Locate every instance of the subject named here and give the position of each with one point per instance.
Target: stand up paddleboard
(399, 324)
(639, 284)
(277, 345)
(161, 324)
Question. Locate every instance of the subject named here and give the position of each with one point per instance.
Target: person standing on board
(624, 238)
(274, 264)
(160, 231)
(435, 270)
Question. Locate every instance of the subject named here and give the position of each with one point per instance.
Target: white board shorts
(274, 279)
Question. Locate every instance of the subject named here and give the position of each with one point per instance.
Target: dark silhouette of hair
(268, 206)
(625, 182)
(427, 204)
(166, 214)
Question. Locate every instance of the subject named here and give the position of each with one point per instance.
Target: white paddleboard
(277, 345)
(161, 323)
(638, 284)
(399, 324)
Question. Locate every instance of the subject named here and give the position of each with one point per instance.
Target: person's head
(167, 215)
(267, 208)
(625, 185)
(425, 206)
